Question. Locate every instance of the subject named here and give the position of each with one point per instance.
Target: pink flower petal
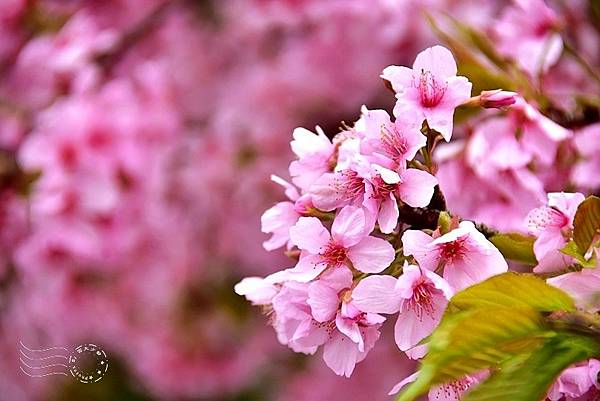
(371, 255)
(376, 294)
(417, 244)
(323, 300)
(309, 234)
(388, 215)
(341, 354)
(349, 226)
(417, 187)
(411, 327)
(307, 269)
(437, 60)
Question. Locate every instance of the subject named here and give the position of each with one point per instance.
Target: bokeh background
(136, 142)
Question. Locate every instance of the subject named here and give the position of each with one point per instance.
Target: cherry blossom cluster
(358, 262)
(367, 225)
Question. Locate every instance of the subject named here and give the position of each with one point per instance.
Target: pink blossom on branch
(551, 224)
(419, 296)
(348, 244)
(464, 254)
(430, 90)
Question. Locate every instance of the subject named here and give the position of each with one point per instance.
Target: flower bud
(304, 206)
(497, 98)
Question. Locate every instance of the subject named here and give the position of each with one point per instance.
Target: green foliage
(529, 378)
(515, 246)
(511, 290)
(503, 324)
(572, 250)
(586, 224)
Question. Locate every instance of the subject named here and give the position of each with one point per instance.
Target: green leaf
(529, 378)
(515, 246)
(475, 340)
(572, 249)
(512, 290)
(586, 224)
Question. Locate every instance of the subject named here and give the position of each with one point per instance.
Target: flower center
(453, 250)
(381, 189)
(394, 143)
(349, 187)
(335, 254)
(421, 301)
(545, 217)
(431, 91)
(456, 388)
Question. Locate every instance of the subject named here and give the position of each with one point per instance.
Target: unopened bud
(304, 206)
(497, 98)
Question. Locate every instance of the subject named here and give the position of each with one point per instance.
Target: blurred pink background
(136, 142)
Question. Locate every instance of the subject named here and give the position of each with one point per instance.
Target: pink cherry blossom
(464, 254)
(577, 381)
(315, 152)
(452, 391)
(527, 33)
(587, 141)
(348, 243)
(412, 186)
(539, 134)
(582, 286)
(390, 144)
(309, 315)
(355, 331)
(338, 189)
(551, 224)
(419, 296)
(280, 218)
(430, 90)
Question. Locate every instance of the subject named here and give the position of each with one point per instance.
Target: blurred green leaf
(586, 224)
(515, 246)
(512, 290)
(530, 379)
(503, 323)
(571, 249)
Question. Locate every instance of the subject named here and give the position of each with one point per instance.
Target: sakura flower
(583, 286)
(539, 135)
(430, 90)
(349, 242)
(466, 256)
(314, 153)
(280, 218)
(576, 382)
(259, 291)
(527, 33)
(419, 295)
(452, 391)
(390, 144)
(339, 189)
(307, 316)
(414, 187)
(585, 173)
(552, 222)
(352, 332)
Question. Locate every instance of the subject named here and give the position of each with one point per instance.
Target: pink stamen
(421, 302)
(349, 187)
(453, 250)
(431, 91)
(381, 189)
(335, 254)
(394, 143)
